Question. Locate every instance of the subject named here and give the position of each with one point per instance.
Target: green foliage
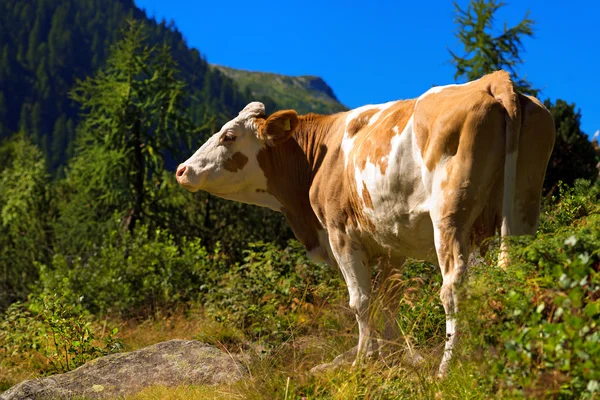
(134, 117)
(25, 214)
(573, 156)
(421, 317)
(536, 326)
(45, 48)
(131, 273)
(569, 205)
(59, 332)
(270, 292)
(485, 51)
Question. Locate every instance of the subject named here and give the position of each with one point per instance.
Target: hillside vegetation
(529, 331)
(304, 94)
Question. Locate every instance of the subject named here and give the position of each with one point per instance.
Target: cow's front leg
(353, 263)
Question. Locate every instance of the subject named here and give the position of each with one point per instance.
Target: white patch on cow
(382, 107)
(400, 200)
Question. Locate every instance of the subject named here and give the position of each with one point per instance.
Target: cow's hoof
(442, 372)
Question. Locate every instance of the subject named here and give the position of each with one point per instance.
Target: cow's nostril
(180, 171)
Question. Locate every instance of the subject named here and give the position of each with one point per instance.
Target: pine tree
(484, 51)
(25, 215)
(134, 118)
(573, 156)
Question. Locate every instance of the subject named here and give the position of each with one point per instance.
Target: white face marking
(207, 169)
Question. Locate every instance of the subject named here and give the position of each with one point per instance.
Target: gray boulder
(171, 363)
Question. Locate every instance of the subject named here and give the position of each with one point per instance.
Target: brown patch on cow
(236, 162)
(367, 196)
(375, 142)
(360, 122)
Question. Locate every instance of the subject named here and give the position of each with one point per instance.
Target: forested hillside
(46, 45)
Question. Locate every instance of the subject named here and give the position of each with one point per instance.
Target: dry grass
(184, 393)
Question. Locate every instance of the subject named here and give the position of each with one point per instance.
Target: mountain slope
(304, 94)
(46, 45)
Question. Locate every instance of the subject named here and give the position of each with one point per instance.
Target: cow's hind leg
(453, 252)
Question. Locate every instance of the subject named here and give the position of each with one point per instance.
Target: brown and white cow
(427, 178)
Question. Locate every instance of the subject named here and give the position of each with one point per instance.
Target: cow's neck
(290, 167)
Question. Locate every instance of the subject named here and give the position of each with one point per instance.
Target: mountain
(304, 94)
(47, 45)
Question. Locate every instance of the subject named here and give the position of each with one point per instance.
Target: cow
(428, 178)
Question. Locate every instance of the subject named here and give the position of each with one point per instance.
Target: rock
(171, 363)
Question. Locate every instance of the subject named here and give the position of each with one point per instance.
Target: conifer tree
(134, 117)
(573, 156)
(25, 215)
(485, 51)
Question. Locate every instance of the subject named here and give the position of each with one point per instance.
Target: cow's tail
(504, 90)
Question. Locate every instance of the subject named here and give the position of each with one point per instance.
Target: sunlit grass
(184, 393)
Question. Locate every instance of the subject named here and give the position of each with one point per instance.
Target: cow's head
(227, 165)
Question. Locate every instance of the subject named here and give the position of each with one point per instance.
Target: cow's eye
(228, 138)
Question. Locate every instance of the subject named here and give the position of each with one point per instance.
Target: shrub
(536, 326)
(60, 333)
(570, 205)
(272, 291)
(134, 273)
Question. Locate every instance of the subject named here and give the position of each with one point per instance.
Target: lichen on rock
(171, 363)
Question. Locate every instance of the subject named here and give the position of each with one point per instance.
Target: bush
(26, 209)
(570, 205)
(271, 292)
(536, 326)
(131, 274)
(60, 333)
(136, 274)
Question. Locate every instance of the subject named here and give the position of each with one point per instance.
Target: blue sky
(375, 51)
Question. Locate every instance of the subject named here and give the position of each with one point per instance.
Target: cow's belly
(397, 201)
(402, 225)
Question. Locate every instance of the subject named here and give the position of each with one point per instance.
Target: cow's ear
(278, 127)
